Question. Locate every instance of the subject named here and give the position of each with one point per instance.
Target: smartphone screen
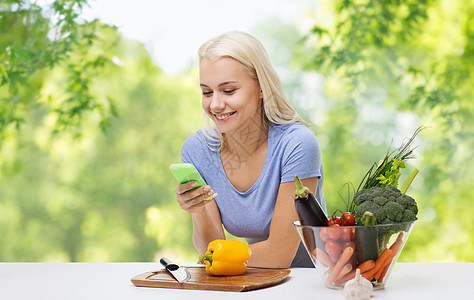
(186, 172)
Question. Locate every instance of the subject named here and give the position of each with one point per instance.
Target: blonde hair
(247, 50)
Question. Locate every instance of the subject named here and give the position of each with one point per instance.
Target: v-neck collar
(264, 169)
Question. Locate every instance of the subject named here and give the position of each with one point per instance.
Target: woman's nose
(217, 103)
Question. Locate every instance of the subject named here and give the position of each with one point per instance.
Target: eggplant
(307, 207)
(310, 214)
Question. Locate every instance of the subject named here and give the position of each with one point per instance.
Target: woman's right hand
(193, 201)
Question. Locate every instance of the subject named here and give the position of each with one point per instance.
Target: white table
(112, 281)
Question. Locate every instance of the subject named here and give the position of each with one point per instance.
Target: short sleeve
(302, 156)
(192, 149)
(195, 151)
(185, 151)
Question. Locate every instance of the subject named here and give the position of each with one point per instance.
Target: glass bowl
(337, 252)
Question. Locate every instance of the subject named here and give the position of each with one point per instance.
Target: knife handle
(168, 264)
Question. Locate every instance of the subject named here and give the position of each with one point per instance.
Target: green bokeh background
(87, 137)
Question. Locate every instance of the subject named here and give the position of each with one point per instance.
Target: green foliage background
(89, 124)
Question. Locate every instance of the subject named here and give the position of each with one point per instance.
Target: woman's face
(230, 96)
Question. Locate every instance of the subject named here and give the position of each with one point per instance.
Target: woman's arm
(207, 224)
(280, 248)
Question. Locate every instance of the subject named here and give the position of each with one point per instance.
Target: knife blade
(181, 274)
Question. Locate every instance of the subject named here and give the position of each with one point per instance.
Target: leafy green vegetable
(391, 176)
(387, 172)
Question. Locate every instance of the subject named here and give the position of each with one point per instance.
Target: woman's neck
(247, 139)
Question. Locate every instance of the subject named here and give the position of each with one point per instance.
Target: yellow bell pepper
(226, 257)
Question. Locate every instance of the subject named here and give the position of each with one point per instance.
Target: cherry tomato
(348, 219)
(348, 244)
(333, 248)
(323, 234)
(334, 232)
(335, 220)
(347, 234)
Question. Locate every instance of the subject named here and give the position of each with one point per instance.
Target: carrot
(366, 265)
(400, 236)
(379, 263)
(395, 248)
(345, 256)
(384, 272)
(346, 269)
(323, 257)
(363, 267)
(380, 270)
(334, 257)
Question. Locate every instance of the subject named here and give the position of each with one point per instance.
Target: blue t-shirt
(292, 150)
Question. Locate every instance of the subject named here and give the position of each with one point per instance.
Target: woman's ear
(261, 94)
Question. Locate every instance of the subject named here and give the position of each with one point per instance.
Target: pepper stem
(301, 190)
(207, 257)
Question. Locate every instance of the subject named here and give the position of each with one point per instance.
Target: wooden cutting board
(253, 278)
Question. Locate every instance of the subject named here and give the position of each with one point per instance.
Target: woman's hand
(193, 201)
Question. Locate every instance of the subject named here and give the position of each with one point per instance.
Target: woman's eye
(229, 91)
(206, 93)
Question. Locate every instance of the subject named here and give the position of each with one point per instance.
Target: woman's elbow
(283, 261)
(283, 265)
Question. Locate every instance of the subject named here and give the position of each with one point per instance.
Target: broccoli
(389, 206)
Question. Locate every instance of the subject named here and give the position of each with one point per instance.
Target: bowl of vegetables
(369, 236)
(338, 251)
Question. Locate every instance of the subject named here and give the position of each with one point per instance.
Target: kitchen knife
(181, 274)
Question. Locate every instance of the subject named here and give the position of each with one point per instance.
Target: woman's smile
(223, 117)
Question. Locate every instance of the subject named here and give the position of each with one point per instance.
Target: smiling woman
(253, 59)
(249, 155)
(230, 95)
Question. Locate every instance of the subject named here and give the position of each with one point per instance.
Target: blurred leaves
(34, 41)
(69, 192)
